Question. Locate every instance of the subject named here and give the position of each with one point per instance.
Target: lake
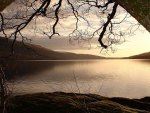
(112, 78)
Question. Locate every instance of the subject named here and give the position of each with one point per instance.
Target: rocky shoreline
(60, 102)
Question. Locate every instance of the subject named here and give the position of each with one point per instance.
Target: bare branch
(109, 18)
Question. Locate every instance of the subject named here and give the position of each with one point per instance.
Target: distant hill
(141, 56)
(36, 52)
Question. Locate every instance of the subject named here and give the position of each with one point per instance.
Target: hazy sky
(135, 43)
(139, 43)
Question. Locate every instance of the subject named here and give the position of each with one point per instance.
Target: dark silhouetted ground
(60, 102)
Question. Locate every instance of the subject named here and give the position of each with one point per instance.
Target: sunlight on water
(121, 78)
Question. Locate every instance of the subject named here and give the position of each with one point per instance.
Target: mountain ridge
(141, 56)
(26, 51)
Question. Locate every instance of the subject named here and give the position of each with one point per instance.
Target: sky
(136, 42)
(139, 43)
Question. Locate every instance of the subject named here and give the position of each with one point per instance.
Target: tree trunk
(139, 9)
(4, 4)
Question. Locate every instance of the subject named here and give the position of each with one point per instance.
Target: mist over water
(113, 78)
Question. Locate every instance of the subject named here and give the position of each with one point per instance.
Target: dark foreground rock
(59, 102)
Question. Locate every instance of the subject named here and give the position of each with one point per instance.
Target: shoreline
(60, 102)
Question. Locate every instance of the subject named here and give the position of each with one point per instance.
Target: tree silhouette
(46, 8)
(140, 9)
(137, 8)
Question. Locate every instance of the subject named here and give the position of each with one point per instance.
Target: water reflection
(126, 78)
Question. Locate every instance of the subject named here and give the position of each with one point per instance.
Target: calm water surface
(121, 78)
